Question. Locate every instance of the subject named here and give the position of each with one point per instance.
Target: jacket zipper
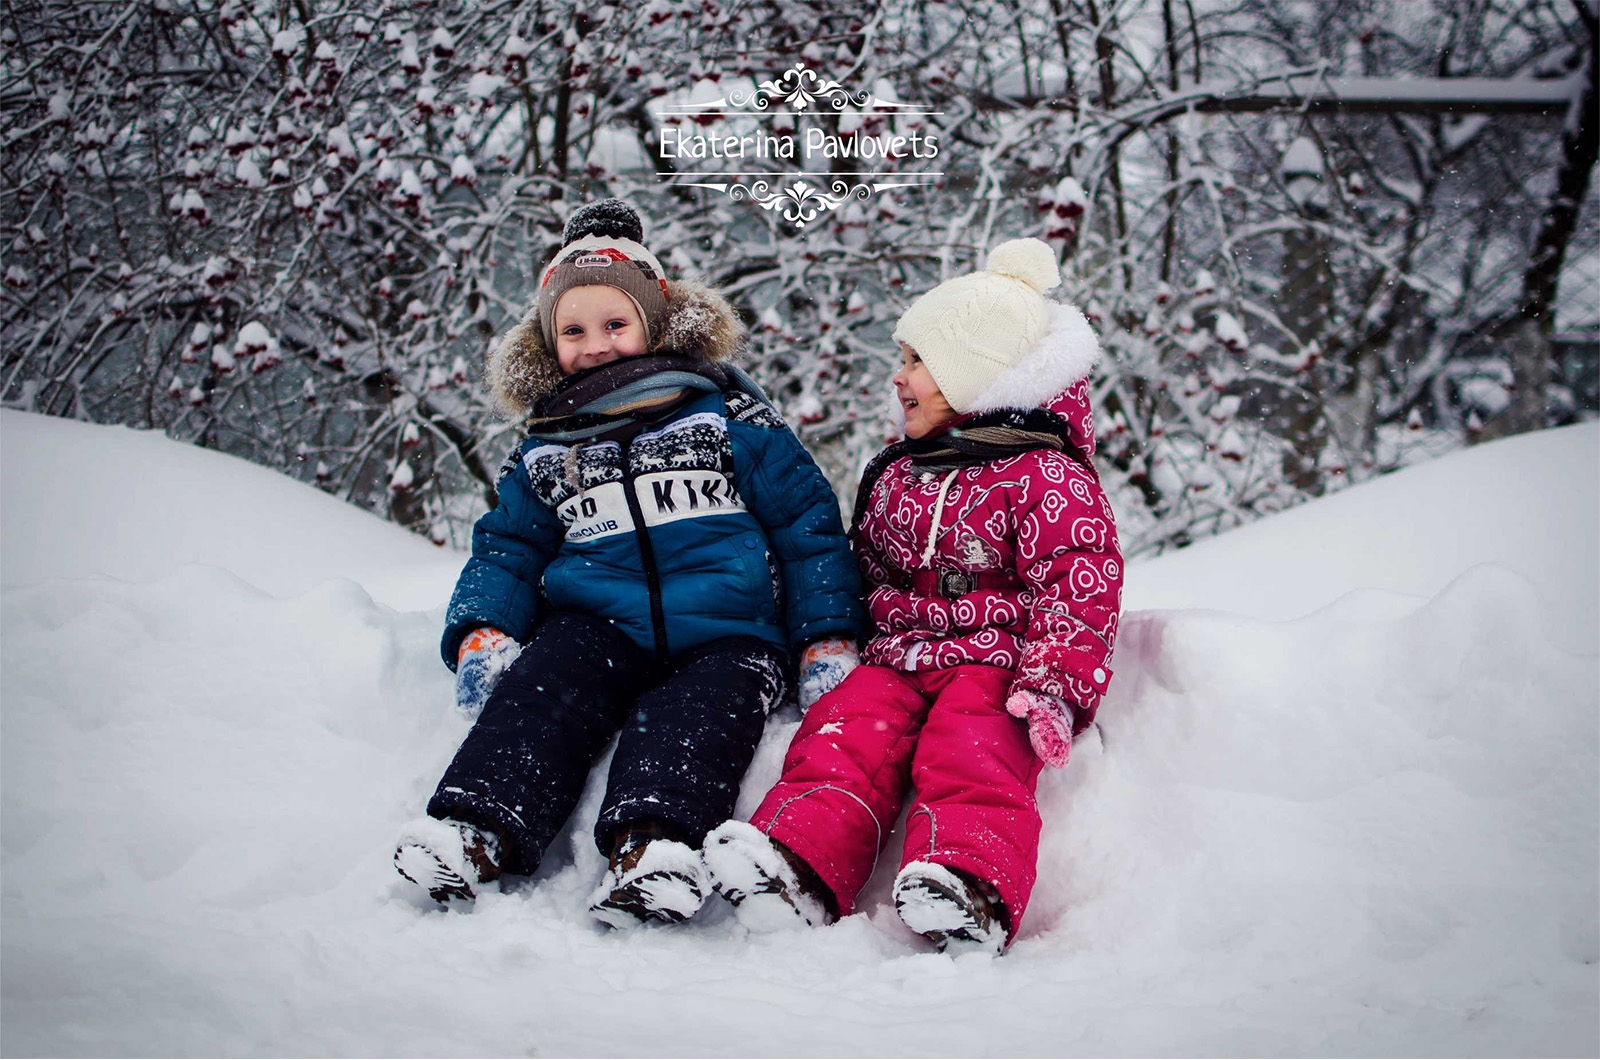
(647, 556)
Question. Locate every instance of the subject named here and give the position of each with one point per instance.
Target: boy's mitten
(1049, 724)
(485, 655)
(823, 665)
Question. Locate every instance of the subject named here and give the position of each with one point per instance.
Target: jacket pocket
(761, 576)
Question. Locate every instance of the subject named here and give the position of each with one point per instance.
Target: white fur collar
(1067, 353)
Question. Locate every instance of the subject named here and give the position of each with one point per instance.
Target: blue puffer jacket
(713, 523)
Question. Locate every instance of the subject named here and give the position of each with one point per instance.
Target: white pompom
(1029, 260)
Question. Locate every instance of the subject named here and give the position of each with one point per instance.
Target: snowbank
(1370, 829)
(81, 500)
(1530, 503)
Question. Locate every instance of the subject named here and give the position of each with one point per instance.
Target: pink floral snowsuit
(927, 706)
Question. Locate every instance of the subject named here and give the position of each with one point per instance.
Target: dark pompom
(611, 218)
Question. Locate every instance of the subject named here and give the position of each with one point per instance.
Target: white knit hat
(971, 329)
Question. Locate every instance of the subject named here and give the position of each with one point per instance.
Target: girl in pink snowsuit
(990, 556)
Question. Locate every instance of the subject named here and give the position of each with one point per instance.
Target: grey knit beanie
(604, 244)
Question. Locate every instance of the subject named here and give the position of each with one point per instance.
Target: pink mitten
(1049, 724)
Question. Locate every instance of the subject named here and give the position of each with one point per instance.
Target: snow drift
(1342, 797)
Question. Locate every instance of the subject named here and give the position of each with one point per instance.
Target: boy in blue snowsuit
(662, 548)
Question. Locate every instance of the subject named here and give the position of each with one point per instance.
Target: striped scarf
(616, 400)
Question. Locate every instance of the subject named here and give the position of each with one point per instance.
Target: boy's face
(920, 397)
(595, 325)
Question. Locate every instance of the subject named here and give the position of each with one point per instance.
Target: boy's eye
(572, 329)
(616, 324)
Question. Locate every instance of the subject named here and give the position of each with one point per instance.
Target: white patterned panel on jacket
(668, 496)
(596, 513)
(699, 441)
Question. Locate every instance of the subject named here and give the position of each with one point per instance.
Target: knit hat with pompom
(970, 329)
(604, 244)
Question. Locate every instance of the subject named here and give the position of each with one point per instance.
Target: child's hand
(823, 665)
(1049, 724)
(485, 655)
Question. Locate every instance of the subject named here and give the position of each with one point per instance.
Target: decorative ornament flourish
(801, 87)
(799, 202)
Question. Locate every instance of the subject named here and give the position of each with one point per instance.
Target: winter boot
(447, 858)
(770, 888)
(957, 912)
(652, 877)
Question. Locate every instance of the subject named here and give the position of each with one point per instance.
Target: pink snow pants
(944, 732)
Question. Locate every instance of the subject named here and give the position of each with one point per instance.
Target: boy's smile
(596, 324)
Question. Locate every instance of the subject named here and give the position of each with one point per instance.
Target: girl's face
(595, 325)
(920, 397)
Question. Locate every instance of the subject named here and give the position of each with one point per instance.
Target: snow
(1518, 95)
(287, 42)
(1341, 798)
(744, 863)
(141, 507)
(1528, 504)
(1230, 332)
(1070, 193)
(339, 142)
(1302, 157)
(1302, 170)
(484, 85)
(253, 338)
(1486, 395)
(670, 877)
(922, 899)
(249, 174)
(402, 477)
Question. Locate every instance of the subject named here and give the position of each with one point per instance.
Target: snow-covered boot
(447, 858)
(651, 878)
(958, 913)
(770, 888)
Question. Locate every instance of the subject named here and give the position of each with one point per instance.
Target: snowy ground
(1344, 799)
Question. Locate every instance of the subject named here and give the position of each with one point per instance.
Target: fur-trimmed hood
(1067, 353)
(522, 370)
(1053, 375)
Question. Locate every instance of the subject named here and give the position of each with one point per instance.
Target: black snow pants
(688, 732)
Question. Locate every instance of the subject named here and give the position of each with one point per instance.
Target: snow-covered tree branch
(292, 231)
